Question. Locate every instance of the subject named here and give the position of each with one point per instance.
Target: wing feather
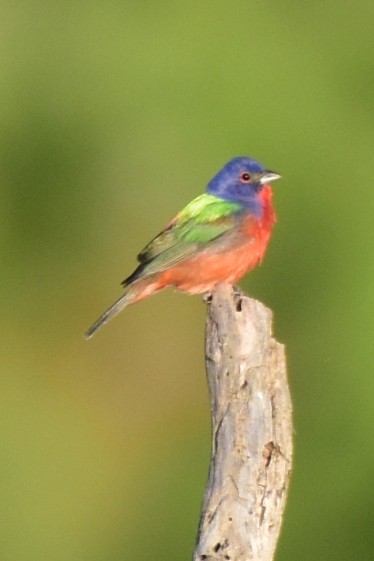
(202, 222)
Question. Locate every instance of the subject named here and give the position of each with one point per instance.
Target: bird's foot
(207, 297)
(238, 296)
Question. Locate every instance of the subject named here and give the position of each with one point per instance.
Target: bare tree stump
(251, 432)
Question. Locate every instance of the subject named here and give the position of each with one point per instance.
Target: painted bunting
(218, 237)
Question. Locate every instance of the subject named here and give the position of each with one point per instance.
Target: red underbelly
(202, 272)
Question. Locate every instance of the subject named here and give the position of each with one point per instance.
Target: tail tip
(94, 327)
(88, 334)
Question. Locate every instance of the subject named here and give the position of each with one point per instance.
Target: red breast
(203, 271)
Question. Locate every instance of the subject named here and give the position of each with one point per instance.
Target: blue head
(241, 181)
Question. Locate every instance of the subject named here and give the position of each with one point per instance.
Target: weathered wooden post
(251, 432)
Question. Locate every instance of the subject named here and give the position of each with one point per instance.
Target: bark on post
(251, 432)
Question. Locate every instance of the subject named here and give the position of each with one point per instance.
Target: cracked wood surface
(251, 432)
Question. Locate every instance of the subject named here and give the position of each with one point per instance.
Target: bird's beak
(269, 176)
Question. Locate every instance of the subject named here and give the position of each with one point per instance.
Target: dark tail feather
(114, 309)
(134, 276)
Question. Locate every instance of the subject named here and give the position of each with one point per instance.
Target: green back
(202, 221)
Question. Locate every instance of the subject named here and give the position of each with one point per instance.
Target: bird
(218, 237)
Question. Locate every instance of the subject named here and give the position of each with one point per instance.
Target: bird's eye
(245, 177)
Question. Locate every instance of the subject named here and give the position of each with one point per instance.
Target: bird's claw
(207, 297)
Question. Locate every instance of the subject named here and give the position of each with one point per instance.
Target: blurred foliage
(113, 116)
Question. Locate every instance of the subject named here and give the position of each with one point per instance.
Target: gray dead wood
(251, 432)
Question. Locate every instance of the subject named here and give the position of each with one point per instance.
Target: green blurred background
(113, 116)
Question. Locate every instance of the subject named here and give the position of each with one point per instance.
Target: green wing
(203, 220)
